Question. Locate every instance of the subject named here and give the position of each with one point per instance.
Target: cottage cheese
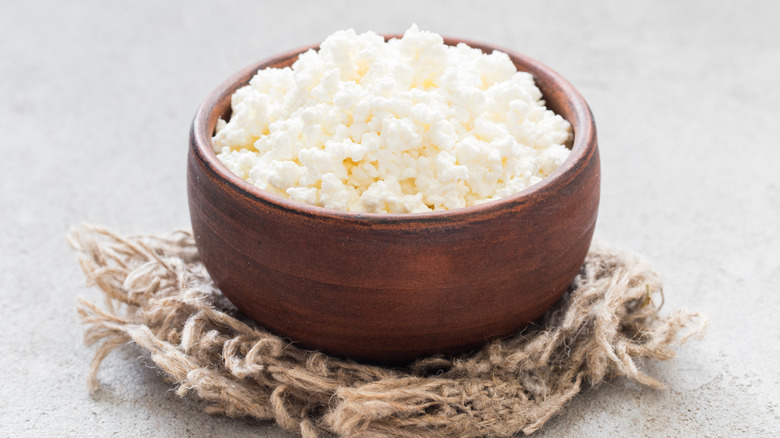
(405, 126)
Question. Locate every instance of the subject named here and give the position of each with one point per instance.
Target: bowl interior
(559, 95)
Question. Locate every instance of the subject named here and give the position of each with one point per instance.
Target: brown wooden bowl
(392, 287)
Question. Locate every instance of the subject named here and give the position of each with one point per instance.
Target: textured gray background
(96, 100)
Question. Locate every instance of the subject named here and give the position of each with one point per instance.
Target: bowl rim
(583, 148)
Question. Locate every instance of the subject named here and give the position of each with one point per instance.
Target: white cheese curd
(405, 126)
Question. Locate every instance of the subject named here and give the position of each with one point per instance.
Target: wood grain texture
(392, 287)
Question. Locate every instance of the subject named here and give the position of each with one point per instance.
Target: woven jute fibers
(159, 296)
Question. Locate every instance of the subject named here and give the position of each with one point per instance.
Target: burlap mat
(159, 296)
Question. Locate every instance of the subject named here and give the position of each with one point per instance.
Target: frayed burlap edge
(159, 296)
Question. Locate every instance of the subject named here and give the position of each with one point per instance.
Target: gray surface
(95, 103)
